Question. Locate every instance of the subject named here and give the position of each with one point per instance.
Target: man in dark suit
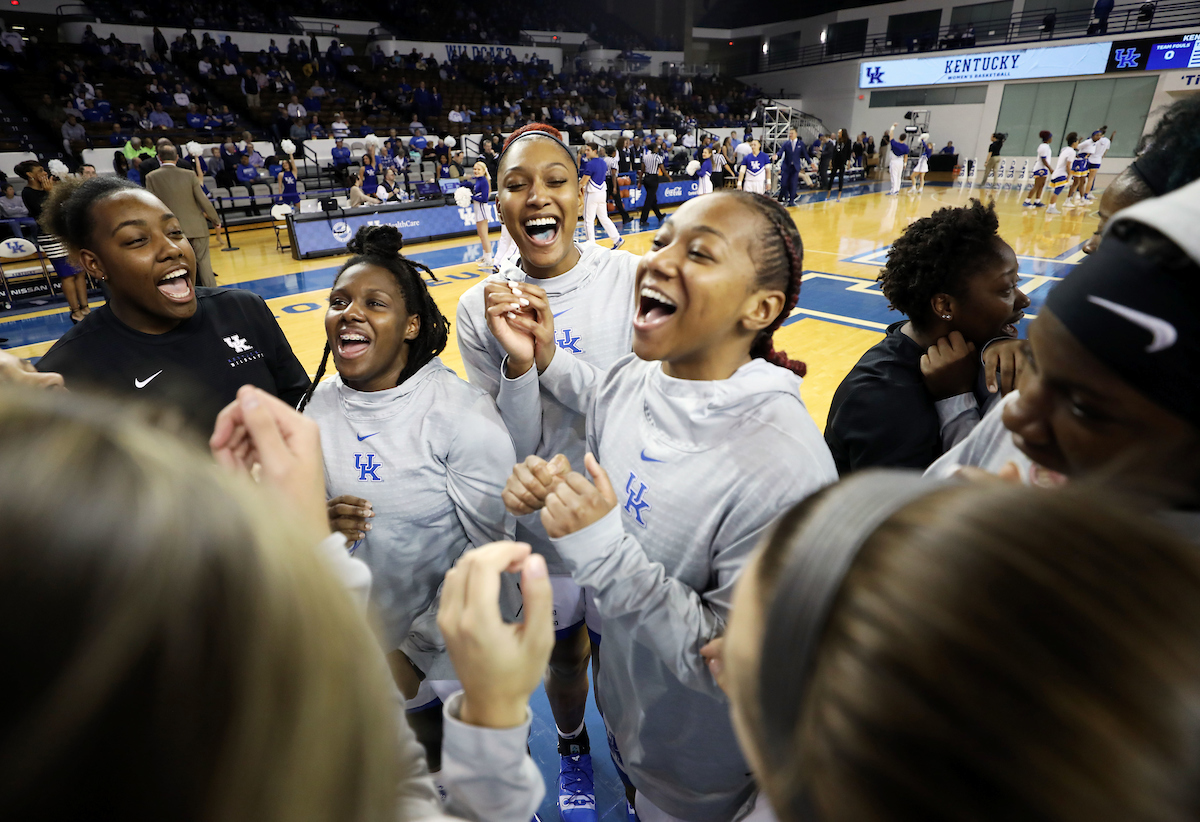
(180, 190)
(794, 160)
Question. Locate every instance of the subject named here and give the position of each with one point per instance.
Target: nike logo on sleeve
(143, 383)
(365, 436)
(1163, 333)
(649, 459)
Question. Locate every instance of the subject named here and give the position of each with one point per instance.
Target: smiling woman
(913, 395)
(415, 457)
(160, 339)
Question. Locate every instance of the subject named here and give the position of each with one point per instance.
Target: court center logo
(874, 75)
(341, 231)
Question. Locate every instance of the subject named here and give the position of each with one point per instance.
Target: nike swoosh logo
(1164, 334)
(649, 459)
(564, 311)
(360, 439)
(143, 383)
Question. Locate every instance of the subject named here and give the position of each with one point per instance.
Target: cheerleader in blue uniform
(481, 191)
(286, 182)
(370, 174)
(705, 172)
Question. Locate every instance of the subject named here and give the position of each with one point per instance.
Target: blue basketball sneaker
(576, 789)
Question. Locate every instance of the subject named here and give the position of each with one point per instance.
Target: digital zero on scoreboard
(1155, 55)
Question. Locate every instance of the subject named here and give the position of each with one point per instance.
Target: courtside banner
(668, 193)
(326, 235)
(1011, 64)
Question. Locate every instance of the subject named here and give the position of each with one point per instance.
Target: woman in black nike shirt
(918, 391)
(160, 338)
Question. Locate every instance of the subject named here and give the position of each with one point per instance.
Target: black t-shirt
(882, 415)
(994, 148)
(232, 340)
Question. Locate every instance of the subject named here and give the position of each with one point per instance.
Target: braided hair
(779, 258)
(380, 245)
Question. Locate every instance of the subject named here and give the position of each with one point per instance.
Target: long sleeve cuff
(488, 772)
(353, 573)
(952, 408)
(520, 404)
(591, 544)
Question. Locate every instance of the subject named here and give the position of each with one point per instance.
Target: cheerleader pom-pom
(58, 169)
(193, 149)
(589, 136)
(241, 145)
(627, 134)
(288, 146)
(462, 197)
(451, 142)
(925, 137)
(371, 141)
(693, 167)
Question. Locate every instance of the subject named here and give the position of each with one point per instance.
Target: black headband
(808, 584)
(1154, 169)
(1137, 319)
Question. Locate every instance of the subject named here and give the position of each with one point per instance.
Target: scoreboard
(1155, 54)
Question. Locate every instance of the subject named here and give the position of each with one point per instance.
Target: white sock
(573, 733)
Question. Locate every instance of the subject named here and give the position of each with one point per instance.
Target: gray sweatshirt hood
(694, 415)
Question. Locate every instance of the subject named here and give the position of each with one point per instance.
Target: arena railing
(1043, 25)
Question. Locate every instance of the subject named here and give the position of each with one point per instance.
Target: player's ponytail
(780, 266)
(380, 245)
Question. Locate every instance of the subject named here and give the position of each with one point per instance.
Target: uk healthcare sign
(988, 66)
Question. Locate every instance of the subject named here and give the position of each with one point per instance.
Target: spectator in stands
(48, 111)
(194, 118)
(298, 133)
(87, 170)
(13, 207)
(118, 138)
(227, 68)
(341, 157)
(339, 128)
(212, 120)
(281, 124)
(247, 176)
(74, 136)
(230, 49)
(160, 119)
(204, 67)
(180, 96)
(317, 90)
(91, 114)
(159, 41)
(365, 128)
(250, 88)
(311, 104)
(102, 105)
(316, 131)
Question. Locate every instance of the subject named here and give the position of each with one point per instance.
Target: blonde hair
(183, 650)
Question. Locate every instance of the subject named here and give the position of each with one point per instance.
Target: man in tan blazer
(180, 190)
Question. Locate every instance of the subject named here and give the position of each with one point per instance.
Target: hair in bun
(377, 241)
(379, 245)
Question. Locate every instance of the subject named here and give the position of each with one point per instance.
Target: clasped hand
(567, 500)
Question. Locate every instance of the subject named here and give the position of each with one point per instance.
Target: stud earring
(945, 316)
